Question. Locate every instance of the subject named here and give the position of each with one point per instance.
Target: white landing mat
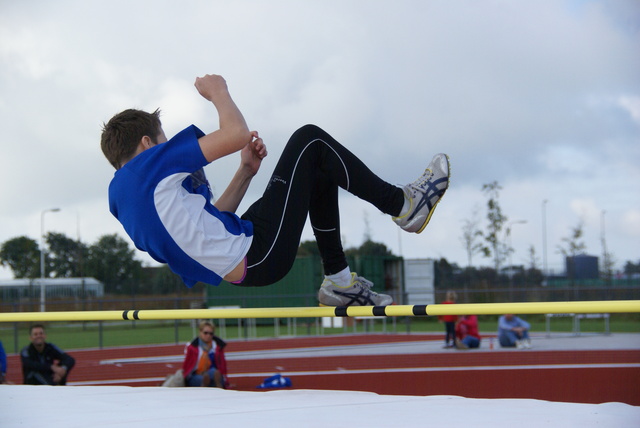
(120, 406)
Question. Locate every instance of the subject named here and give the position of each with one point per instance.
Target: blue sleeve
(523, 323)
(182, 153)
(502, 324)
(3, 359)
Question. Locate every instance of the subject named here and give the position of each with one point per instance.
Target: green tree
(370, 248)
(574, 243)
(111, 260)
(496, 220)
(161, 280)
(533, 258)
(630, 268)
(608, 265)
(308, 248)
(470, 236)
(66, 256)
(444, 274)
(22, 256)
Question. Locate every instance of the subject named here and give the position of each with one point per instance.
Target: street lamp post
(511, 272)
(606, 262)
(544, 243)
(42, 272)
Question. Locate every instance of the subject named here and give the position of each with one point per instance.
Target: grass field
(94, 335)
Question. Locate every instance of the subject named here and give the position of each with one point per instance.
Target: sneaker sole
(322, 305)
(426, 222)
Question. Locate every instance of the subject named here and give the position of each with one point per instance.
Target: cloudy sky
(542, 97)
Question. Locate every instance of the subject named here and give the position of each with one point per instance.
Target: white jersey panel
(201, 235)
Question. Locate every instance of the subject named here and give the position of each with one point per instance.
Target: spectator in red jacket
(467, 335)
(204, 362)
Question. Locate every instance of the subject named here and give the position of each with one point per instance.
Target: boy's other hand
(253, 153)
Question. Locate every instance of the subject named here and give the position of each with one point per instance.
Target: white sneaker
(424, 194)
(519, 344)
(527, 343)
(461, 345)
(358, 293)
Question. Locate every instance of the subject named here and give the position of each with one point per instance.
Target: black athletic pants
(305, 181)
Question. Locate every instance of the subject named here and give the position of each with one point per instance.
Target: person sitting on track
(161, 196)
(205, 363)
(44, 363)
(513, 332)
(467, 335)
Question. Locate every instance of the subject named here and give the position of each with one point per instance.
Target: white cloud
(178, 104)
(27, 51)
(632, 105)
(631, 223)
(585, 209)
(541, 96)
(567, 159)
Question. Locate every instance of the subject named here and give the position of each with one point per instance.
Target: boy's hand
(210, 86)
(253, 153)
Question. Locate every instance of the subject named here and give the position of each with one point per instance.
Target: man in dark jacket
(44, 363)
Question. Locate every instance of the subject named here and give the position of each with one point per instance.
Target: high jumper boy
(161, 196)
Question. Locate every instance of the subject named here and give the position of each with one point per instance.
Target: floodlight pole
(545, 269)
(42, 267)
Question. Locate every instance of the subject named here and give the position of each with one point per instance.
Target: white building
(13, 289)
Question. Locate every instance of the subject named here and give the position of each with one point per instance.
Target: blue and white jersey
(162, 199)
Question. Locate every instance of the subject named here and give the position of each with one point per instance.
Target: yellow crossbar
(606, 306)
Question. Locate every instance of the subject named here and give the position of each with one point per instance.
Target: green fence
(300, 286)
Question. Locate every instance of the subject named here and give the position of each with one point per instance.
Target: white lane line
(266, 353)
(387, 370)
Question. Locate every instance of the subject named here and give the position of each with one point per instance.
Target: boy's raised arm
(233, 134)
(251, 156)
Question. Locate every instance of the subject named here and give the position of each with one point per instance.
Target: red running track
(567, 376)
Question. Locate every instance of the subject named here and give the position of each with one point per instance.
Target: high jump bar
(591, 307)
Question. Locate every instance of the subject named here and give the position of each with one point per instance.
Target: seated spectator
(44, 363)
(467, 335)
(513, 332)
(204, 362)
